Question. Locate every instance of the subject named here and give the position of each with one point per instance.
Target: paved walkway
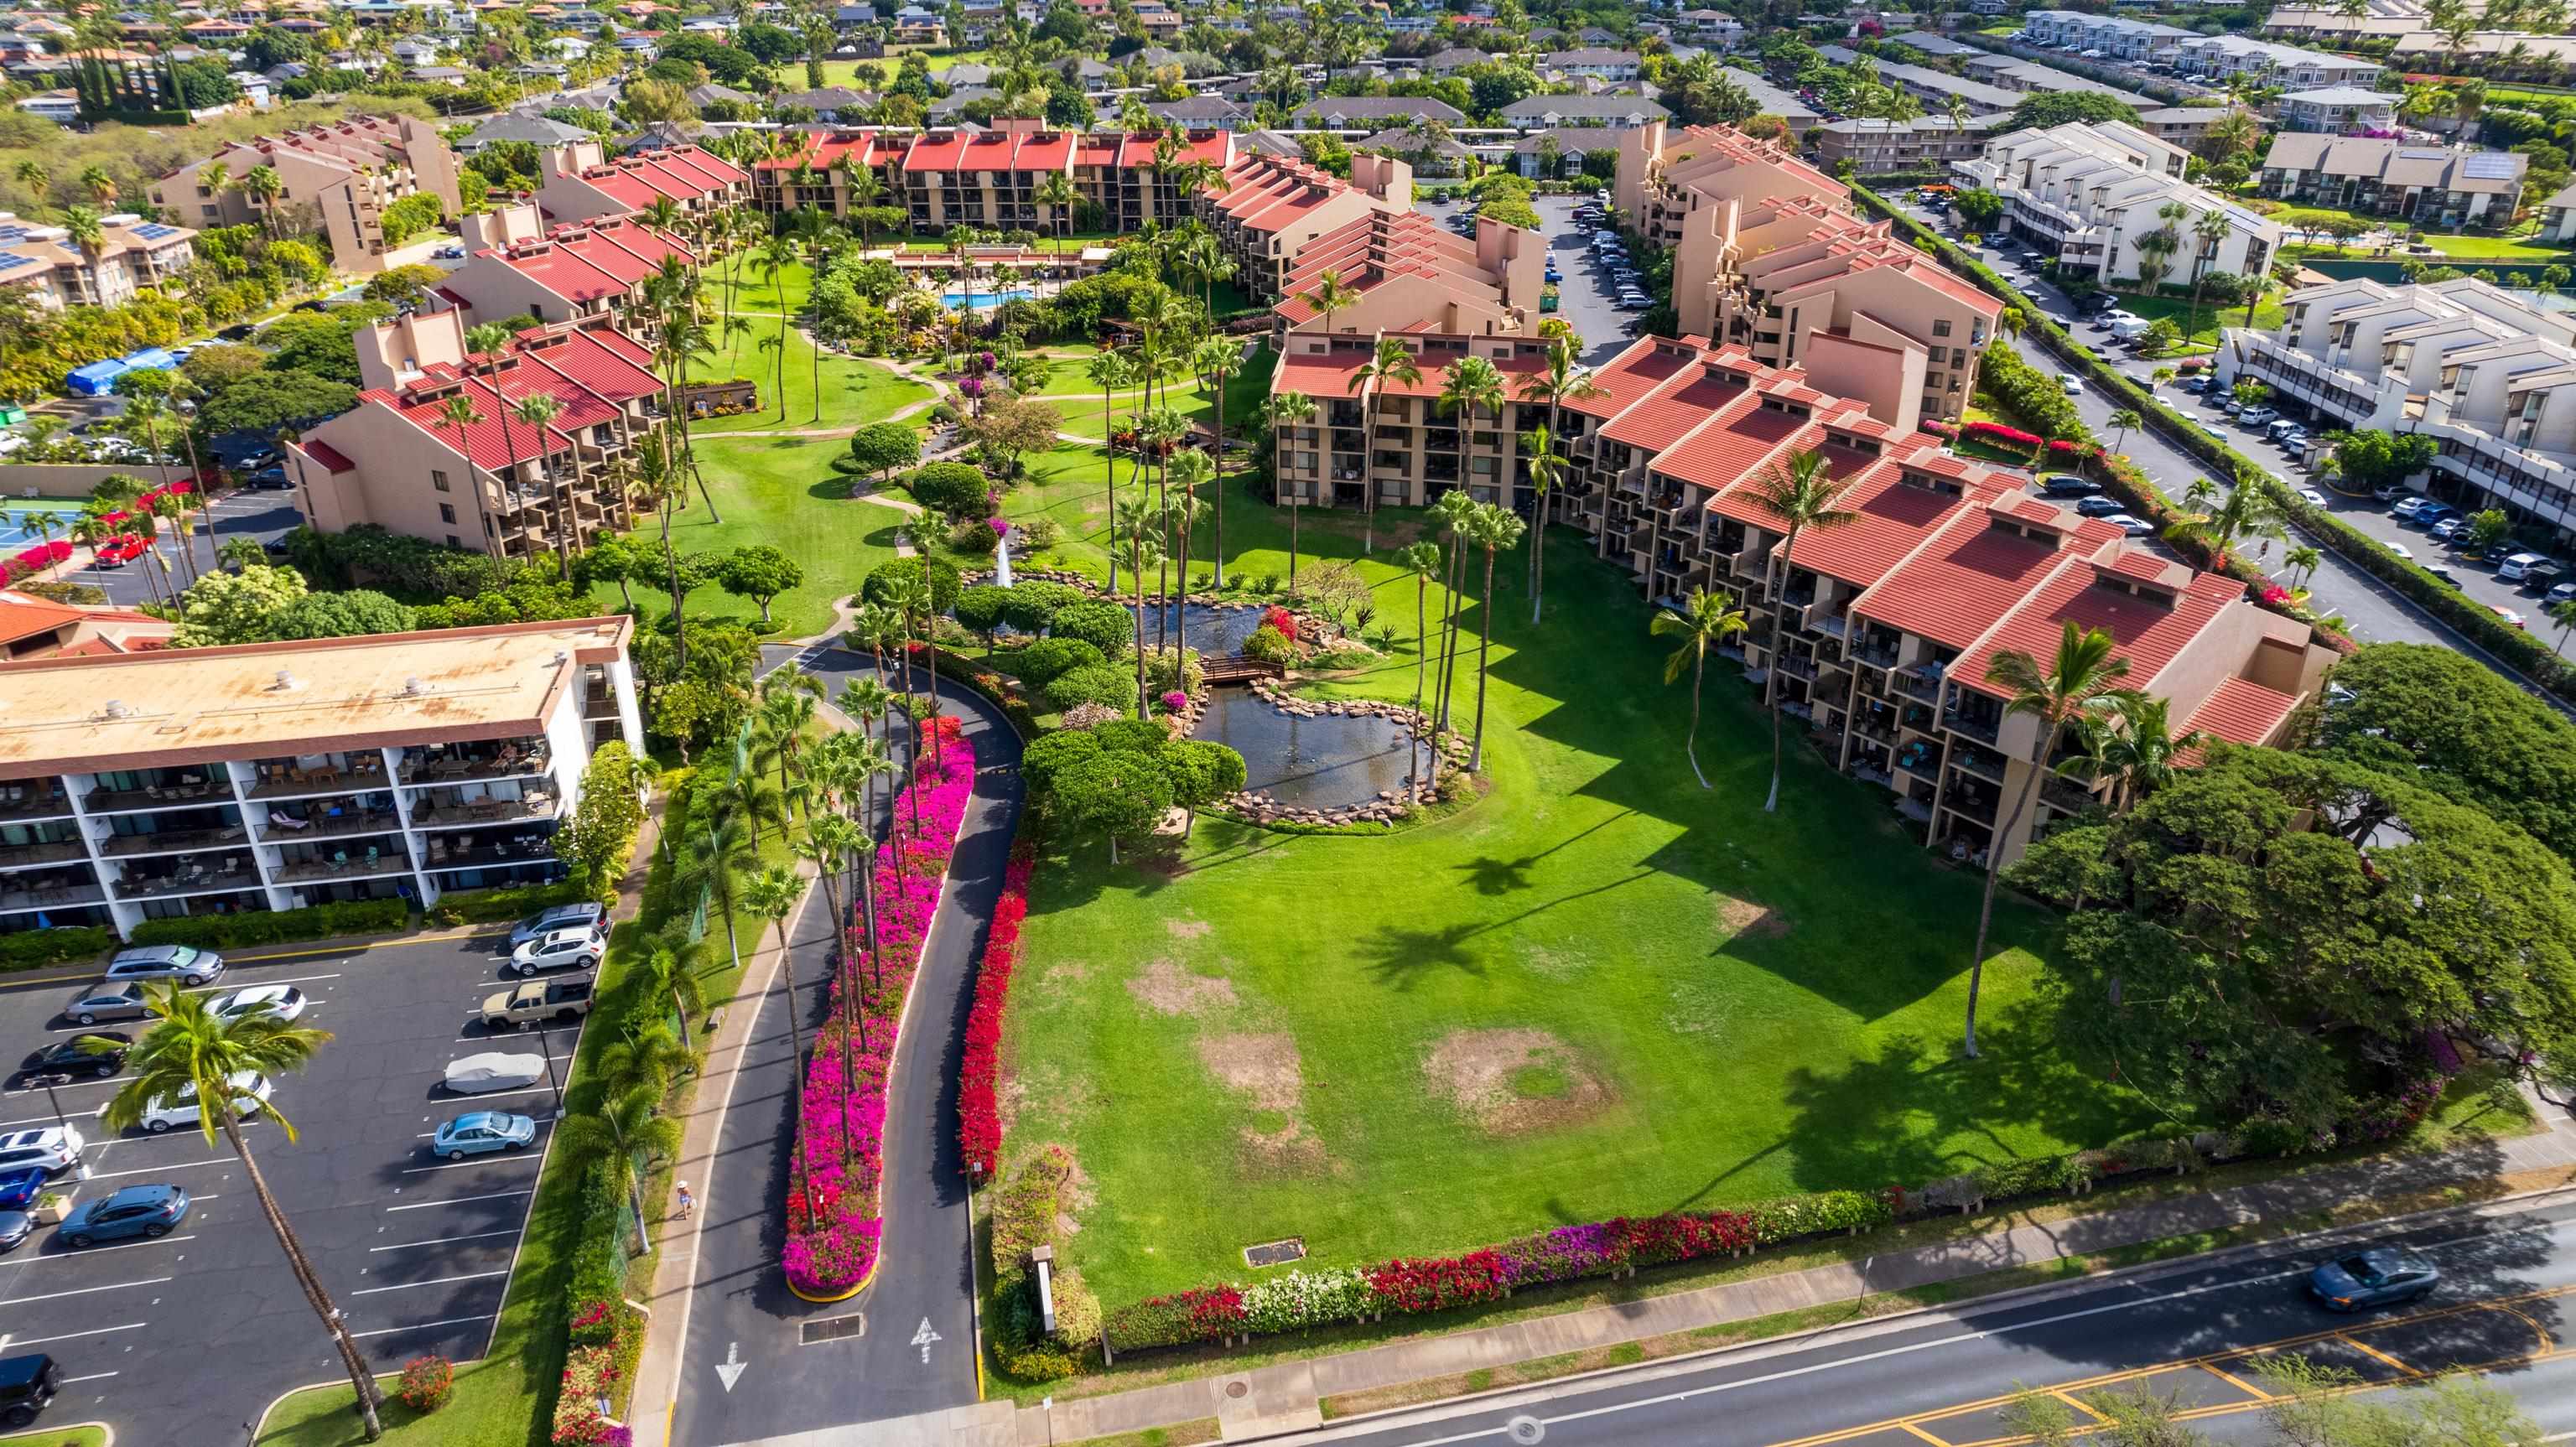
(1285, 1397)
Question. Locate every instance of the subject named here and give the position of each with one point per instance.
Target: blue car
(2379, 1276)
(479, 1131)
(123, 1214)
(20, 1188)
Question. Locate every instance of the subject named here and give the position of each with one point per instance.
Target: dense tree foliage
(2424, 711)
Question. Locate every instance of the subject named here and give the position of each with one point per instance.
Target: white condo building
(2089, 193)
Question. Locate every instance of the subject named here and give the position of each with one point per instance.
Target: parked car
(2563, 593)
(2433, 513)
(1634, 301)
(2074, 386)
(284, 1001)
(2439, 572)
(2518, 566)
(481, 1131)
(27, 1387)
(2401, 550)
(102, 1055)
(125, 1213)
(2100, 507)
(117, 551)
(52, 1148)
(2256, 417)
(2505, 615)
(271, 479)
(106, 1002)
(449, 253)
(2312, 497)
(19, 1188)
(2447, 529)
(2135, 527)
(15, 1228)
(184, 963)
(538, 1000)
(2393, 492)
(2378, 1276)
(563, 949)
(563, 916)
(2066, 484)
(2408, 507)
(254, 1088)
(494, 1070)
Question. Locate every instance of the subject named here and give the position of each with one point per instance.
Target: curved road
(907, 1344)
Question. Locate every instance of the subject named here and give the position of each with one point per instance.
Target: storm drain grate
(835, 1328)
(1275, 1253)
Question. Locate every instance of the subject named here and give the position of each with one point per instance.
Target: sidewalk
(1285, 1397)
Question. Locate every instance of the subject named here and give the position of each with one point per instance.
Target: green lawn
(2268, 314)
(846, 72)
(2513, 247)
(1674, 998)
(855, 391)
(58, 1437)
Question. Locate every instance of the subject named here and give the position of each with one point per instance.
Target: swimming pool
(987, 300)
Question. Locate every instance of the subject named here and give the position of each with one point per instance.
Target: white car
(2312, 497)
(494, 1070)
(253, 1090)
(2074, 386)
(2401, 550)
(564, 949)
(2129, 523)
(56, 1148)
(284, 1001)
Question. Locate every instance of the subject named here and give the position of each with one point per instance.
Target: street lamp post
(545, 1044)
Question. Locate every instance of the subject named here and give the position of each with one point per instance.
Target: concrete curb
(299, 951)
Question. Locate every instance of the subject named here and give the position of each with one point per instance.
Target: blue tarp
(150, 359)
(97, 379)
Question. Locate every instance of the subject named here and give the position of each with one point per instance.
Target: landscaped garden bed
(834, 1219)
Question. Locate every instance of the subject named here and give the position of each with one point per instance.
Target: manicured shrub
(426, 1383)
(1107, 684)
(496, 906)
(979, 1114)
(1143, 735)
(1203, 771)
(1269, 645)
(1104, 625)
(30, 948)
(1031, 606)
(883, 578)
(1043, 661)
(1035, 536)
(1440, 1282)
(957, 488)
(1301, 1300)
(1077, 1312)
(321, 921)
(982, 608)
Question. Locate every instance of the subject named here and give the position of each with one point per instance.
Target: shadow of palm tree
(1398, 955)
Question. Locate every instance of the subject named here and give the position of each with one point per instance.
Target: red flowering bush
(1280, 618)
(1204, 1314)
(979, 1114)
(1437, 1283)
(426, 1383)
(1684, 1236)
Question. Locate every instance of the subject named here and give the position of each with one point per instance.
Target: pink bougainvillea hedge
(835, 1221)
(979, 1113)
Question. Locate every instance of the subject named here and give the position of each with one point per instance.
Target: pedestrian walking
(688, 1203)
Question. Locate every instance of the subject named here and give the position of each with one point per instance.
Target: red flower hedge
(1280, 618)
(979, 1114)
(1437, 1283)
(2014, 436)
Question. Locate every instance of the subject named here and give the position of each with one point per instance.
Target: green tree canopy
(269, 402)
(759, 572)
(2428, 712)
(1099, 622)
(2057, 107)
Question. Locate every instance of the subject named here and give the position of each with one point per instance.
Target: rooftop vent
(115, 708)
(413, 688)
(285, 682)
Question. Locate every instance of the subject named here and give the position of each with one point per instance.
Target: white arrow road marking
(731, 1369)
(923, 1338)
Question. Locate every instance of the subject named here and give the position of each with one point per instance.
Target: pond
(1215, 630)
(1326, 762)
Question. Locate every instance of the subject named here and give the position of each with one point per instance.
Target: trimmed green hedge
(2519, 650)
(501, 906)
(28, 949)
(321, 921)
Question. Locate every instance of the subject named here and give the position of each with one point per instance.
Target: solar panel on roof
(2496, 166)
(10, 260)
(155, 233)
(13, 233)
(2423, 155)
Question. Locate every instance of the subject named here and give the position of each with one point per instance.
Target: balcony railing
(1975, 726)
(20, 856)
(1914, 684)
(46, 896)
(171, 841)
(1985, 766)
(511, 762)
(361, 773)
(484, 811)
(178, 795)
(278, 826)
(39, 800)
(343, 864)
(231, 874)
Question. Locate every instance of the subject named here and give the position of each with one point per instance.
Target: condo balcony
(42, 846)
(317, 775)
(1921, 682)
(1977, 723)
(477, 763)
(186, 787)
(191, 874)
(30, 799)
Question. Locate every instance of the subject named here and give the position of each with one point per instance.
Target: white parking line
(516, 1034)
(86, 1290)
(451, 1201)
(92, 1377)
(439, 1241)
(87, 1252)
(156, 1170)
(289, 980)
(476, 1161)
(442, 1281)
(426, 1325)
(72, 1335)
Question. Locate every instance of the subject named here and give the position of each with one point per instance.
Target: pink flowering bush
(835, 1223)
(1175, 700)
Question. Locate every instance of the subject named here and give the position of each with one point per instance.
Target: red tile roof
(2149, 631)
(1961, 583)
(2243, 712)
(331, 458)
(1628, 377)
(1731, 445)
(1683, 402)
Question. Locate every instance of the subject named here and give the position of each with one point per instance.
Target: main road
(2197, 1335)
(756, 1361)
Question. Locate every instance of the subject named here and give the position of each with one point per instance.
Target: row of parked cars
(1610, 256)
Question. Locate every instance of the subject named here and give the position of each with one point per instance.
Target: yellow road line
(2079, 1404)
(2367, 1349)
(2207, 1362)
(1926, 1436)
(2239, 1383)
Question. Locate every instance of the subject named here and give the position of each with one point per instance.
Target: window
(1940, 355)
(454, 542)
(1941, 329)
(447, 514)
(438, 479)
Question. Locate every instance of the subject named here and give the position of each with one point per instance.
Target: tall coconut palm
(1705, 619)
(458, 416)
(263, 186)
(1561, 382)
(2086, 666)
(191, 1049)
(1217, 361)
(538, 410)
(915, 603)
(2124, 421)
(2211, 231)
(1474, 385)
(1057, 194)
(1393, 365)
(1802, 494)
(789, 702)
(1138, 526)
(1113, 374)
(614, 1133)
(773, 895)
(813, 231)
(1190, 472)
(1285, 410)
(1421, 560)
(1455, 510)
(32, 174)
(1493, 529)
(1547, 468)
(667, 976)
(1329, 295)
(775, 257)
(100, 183)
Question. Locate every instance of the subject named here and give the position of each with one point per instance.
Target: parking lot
(177, 1339)
(1586, 295)
(262, 515)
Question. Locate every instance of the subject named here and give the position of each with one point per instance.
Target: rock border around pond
(1391, 806)
(1309, 625)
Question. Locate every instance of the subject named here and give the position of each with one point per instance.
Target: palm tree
(775, 257)
(458, 414)
(613, 1133)
(668, 976)
(773, 895)
(1421, 560)
(88, 232)
(2211, 230)
(1704, 620)
(1799, 491)
(960, 243)
(190, 1049)
(1190, 471)
(1285, 410)
(2564, 615)
(1217, 361)
(1494, 529)
(1329, 296)
(813, 231)
(100, 184)
(33, 175)
(1473, 385)
(1456, 511)
(1058, 195)
(1560, 383)
(1393, 365)
(1138, 524)
(262, 185)
(2123, 422)
(2129, 740)
(727, 849)
(2085, 667)
(2302, 561)
(538, 410)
